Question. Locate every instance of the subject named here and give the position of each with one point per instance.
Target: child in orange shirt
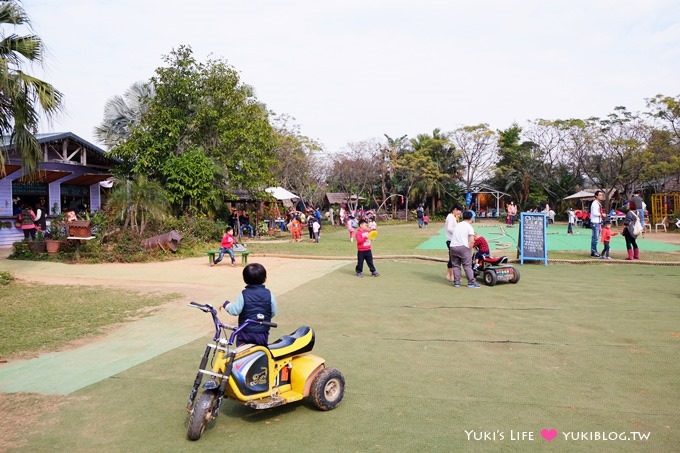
(607, 235)
(296, 229)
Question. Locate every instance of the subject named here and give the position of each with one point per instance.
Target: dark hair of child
(254, 274)
(362, 221)
(607, 222)
(229, 229)
(456, 206)
(467, 215)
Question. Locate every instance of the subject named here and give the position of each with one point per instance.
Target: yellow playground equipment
(665, 206)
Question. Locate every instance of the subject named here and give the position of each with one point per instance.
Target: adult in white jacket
(450, 226)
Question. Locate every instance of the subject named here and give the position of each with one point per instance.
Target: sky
(353, 70)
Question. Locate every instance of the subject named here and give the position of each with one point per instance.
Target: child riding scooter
(245, 368)
(492, 269)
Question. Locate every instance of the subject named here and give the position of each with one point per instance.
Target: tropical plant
(57, 230)
(137, 202)
(418, 169)
(447, 160)
(122, 113)
(390, 153)
(22, 96)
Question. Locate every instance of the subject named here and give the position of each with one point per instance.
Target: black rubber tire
(328, 388)
(515, 279)
(201, 414)
(490, 277)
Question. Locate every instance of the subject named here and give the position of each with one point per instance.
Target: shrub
(6, 278)
(199, 228)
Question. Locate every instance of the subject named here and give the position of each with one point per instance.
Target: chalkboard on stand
(532, 241)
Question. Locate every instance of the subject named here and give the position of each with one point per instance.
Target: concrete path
(171, 326)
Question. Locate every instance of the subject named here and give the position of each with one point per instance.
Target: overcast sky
(352, 70)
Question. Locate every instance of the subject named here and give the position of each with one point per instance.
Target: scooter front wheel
(490, 277)
(201, 414)
(328, 388)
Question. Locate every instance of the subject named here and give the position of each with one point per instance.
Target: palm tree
(22, 95)
(137, 202)
(122, 113)
(395, 148)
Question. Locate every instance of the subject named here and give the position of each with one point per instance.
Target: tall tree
(206, 107)
(517, 166)
(122, 113)
(298, 164)
(662, 157)
(476, 148)
(610, 151)
(22, 96)
(390, 153)
(356, 171)
(558, 175)
(439, 148)
(419, 173)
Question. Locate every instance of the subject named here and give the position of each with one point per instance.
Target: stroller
(494, 269)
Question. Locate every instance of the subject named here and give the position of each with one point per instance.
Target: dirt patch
(18, 413)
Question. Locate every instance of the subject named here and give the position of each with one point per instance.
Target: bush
(199, 228)
(6, 278)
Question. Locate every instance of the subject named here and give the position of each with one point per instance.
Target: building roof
(95, 154)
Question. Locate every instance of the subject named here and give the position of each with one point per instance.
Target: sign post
(533, 234)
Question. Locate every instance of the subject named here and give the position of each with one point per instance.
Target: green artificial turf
(557, 239)
(578, 349)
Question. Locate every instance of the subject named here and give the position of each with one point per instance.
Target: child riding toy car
(261, 377)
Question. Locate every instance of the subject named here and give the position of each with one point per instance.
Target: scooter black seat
(298, 342)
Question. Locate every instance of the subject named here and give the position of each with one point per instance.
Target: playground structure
(665, 206)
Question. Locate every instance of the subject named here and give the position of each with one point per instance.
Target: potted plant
(38, 246)
(55, 234)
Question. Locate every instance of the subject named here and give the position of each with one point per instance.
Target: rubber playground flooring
(557, 239)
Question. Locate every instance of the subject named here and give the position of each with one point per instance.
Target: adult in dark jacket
(629, 234)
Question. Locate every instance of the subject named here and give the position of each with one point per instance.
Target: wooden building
(68, 178)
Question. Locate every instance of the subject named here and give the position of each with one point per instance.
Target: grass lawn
(584, 350)
(41, 318)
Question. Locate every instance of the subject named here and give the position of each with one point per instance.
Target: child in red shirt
(227, 246)
(606, 236)
(482, 247)
(364, 250)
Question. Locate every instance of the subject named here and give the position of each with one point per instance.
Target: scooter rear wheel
(328, 388)
(515, 277)
(201, 414)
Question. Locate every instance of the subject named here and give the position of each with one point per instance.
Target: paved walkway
(173, 325)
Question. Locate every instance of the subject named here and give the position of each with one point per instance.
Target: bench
(243, 252)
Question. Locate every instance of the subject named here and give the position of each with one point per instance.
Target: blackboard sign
(532, 243)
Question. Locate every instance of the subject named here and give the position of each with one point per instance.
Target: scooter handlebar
(203, 307)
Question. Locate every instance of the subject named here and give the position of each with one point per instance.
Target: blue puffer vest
(256, 299)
